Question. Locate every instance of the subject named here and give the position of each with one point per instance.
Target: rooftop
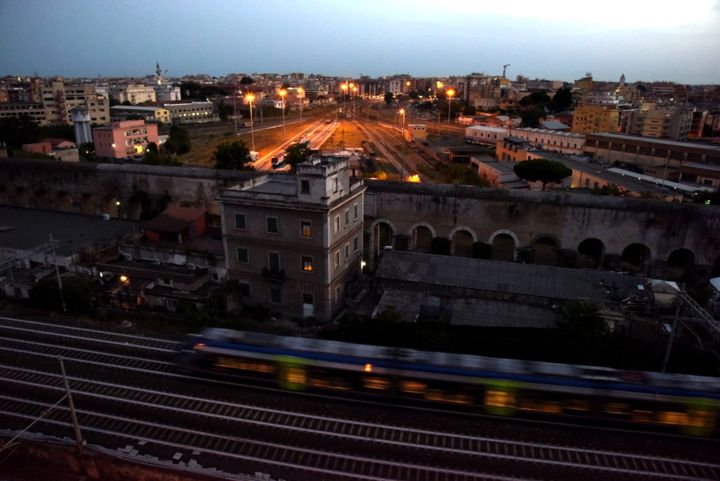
(22, 228)
(538, 281)
(651, 140)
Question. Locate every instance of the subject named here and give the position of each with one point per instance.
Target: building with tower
(294, 243)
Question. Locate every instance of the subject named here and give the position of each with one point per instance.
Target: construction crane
(505, 68)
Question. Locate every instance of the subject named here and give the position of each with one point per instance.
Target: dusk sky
(563, 39)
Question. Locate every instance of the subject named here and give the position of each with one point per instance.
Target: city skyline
(423, 38)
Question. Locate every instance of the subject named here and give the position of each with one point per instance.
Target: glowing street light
(450, 94)
(250, 98)
(402, 132)
(283, 93)
(344, 88)
(301, 95)
(354, 93)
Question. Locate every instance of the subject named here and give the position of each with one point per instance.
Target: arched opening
(678, 263)
(635, 258)
(87, 204)
(503, 247)
(383, 235)
(546, 250)
(462, 243)
(590, 253)
(421, 239)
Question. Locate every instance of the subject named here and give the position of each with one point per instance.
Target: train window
(617, 408)
(376, 383)
(411, 386)
(673, 417)
(642, 416)
(296, 375)
(244, 365)
(701, 418)
(495, 398)
(577, 405)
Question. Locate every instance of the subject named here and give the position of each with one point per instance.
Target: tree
(246, 81)
(224, 111)
(389, 98)
(152, 147)
(562, 100)
(542, 170)
(531, 116)
(232, 156)
(469, 110)
(297, 154)
(178, 141)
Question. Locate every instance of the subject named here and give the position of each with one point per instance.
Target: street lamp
(301, 95)
(344, 88)
(283, 93)
(402, 132)
(235, 109)
(250, 98)
(354, 92)
(450, 94)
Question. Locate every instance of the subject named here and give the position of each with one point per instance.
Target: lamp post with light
(283, 93)
(301, 96)
(450, 94)
(250, 98)
(344, 88)
(402, 132)
(354, 93)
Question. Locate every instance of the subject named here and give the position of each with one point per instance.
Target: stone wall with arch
(569, 218)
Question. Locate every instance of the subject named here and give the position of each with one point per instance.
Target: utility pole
(57, 275)
(79, 441)
(678, 299)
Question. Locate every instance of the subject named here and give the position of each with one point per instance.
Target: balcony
(275, 274)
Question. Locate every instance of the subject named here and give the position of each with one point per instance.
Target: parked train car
(505, 387)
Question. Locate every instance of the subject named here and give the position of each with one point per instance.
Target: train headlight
(368, 367)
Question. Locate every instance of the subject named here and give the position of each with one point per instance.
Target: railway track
(163, 423)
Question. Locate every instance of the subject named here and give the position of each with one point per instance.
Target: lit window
(307, 264)
(305, 228)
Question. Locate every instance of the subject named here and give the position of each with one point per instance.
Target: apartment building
(191, 112)
(656, 121)
(133, 93)
(36, 112)
(148, 113)
(294, 243)
(126, 139)
(59, 99)
(594, 118)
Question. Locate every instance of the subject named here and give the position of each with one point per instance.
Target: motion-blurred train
(508, 387)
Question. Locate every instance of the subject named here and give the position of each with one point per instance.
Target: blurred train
(508, 387)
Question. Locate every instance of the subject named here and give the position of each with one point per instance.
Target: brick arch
(465, 228)
(416, 242)
(504, 252)
(462, 247)
(374, 241)
(504, 231)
